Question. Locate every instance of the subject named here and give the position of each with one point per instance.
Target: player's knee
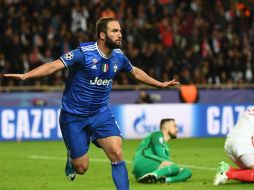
(81, 168)
(165, 163)
(187, 172)
(116, 155)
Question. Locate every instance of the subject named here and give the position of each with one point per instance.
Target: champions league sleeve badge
(68, 56)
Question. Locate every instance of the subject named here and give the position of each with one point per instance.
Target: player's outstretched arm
(43, 70)
(141, 76)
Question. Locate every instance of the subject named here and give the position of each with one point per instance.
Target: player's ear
(102, 35)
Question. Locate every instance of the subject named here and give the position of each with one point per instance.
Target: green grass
(22, 169)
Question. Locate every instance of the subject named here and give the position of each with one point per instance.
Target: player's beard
(111, 44)
(172, 136)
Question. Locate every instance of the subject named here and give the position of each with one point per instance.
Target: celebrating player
(239, 147)
(85, 113)
(152, 162)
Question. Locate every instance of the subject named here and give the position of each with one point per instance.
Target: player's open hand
(16, 76)
(169, 83)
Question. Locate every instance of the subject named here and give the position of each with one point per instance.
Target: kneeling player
(239, 147)
(152, 162)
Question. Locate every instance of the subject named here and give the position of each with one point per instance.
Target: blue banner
(135, 121)
(29, 123)
(217, 120)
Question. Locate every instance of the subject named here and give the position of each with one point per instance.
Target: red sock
(242, 175)
(234, 169)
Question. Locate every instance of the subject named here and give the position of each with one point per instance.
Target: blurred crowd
(194, 41)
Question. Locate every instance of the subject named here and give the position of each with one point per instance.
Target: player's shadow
(242, 183)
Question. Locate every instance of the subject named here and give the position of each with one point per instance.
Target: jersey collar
(102, 54)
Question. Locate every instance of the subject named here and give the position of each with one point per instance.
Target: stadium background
(205, 43)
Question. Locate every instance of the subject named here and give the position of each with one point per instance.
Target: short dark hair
(165, 120)
(102, 24)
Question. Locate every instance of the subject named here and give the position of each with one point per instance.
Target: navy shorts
(79, 130)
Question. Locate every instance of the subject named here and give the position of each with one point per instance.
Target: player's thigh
(247, 160)
(76, 139)
(107, 135)
(229, 149)
(143, 165)
(104, 125)
(242, 154)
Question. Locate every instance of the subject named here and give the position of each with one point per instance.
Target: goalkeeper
(152, 162)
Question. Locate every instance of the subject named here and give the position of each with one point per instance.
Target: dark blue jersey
(90, 78)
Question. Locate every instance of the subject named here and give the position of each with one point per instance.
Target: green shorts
(143, 165)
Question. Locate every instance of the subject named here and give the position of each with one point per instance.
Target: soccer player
(239, 146)
(85, 114)
(152, 162)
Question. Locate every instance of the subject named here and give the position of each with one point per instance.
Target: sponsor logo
(221, 119)
(141, 126)
(69, 56)
(30, 124)
(101, 82)
(94, 67)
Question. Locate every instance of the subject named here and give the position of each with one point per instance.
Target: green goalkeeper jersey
(154, 146)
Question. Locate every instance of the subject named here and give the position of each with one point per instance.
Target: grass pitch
(40, 165)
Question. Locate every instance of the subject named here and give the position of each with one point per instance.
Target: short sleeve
(127, 66)
(72, 57)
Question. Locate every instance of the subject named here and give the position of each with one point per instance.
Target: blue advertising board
(135, 121)
(31, 123)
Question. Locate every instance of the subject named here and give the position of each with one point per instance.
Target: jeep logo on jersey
(101, 82)
(68, 56)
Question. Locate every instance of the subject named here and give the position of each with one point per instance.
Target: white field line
(38, 157)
